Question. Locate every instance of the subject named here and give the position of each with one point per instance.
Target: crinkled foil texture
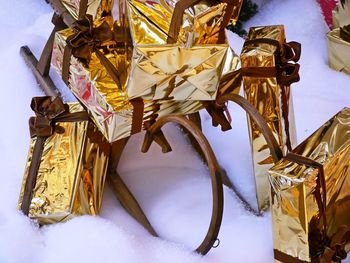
(71, 174)
(341, 15)
(110, 107)
(338, 52)
(95, 7)
(293, 187)
(265, 95)
(188, 70)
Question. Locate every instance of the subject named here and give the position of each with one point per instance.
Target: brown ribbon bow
(335, 251)
(45, 110)
(86, 40)
(345, 33)
(48, 111)
(285, 71)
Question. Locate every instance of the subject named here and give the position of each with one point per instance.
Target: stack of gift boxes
(130, 62)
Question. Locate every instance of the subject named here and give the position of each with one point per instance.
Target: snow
(174, 188)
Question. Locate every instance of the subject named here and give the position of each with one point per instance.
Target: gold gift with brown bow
(311, 197)
(79, 8)
(268, 69)
(341, 14)
(179, 52)
(339, 48)
(94, 67)
(66, 165)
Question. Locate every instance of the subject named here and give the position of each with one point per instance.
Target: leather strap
(182, 5)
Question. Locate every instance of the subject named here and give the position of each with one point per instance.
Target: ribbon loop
(87, 37)
(289, 74)
(345, 33)
(47, 106)
(291, 51)
(46, 110)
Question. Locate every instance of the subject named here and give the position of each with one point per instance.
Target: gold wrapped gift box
(71, 174)
(296, 214)
(96, 8)
(338, 51)
(187, 68)
(109, 105)
(267, 94)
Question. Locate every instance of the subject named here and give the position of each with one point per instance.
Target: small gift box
(310, 198)
(179, 48)
(66, 165)
(95, 68)
(268, 69)
(339, 49)
(341, 14)
(79, 8)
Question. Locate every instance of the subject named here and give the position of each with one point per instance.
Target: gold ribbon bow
(86, 40)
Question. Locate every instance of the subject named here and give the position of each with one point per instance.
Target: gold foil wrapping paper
(293, 187)
(338, 51)
(188, 70)
(71, 174)
(341, 14)
(109, 106)
(265, 95)
(96, 8)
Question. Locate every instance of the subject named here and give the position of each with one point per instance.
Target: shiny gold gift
(79, 8)
(341, 14)
(339, 49)
(311, 196)
(268, 69)
(66, 165)
(95, 73)
(178, 52)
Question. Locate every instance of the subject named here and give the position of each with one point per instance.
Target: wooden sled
(191, 125)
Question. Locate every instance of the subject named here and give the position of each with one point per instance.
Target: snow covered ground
(173, 189)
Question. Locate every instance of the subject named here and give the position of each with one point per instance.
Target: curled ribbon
(85, 40)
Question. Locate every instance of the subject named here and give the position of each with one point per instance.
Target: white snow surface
(174, 188)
